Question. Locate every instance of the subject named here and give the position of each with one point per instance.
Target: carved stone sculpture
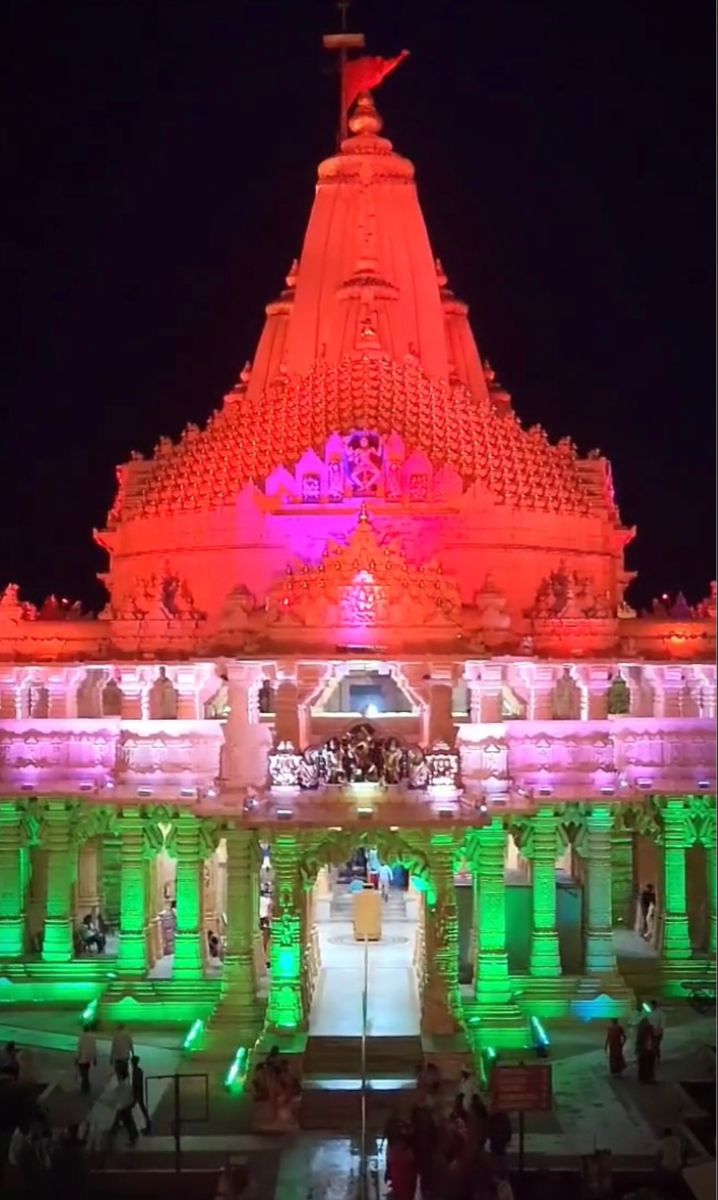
(566, 698)
(618, 697)
(162, 698)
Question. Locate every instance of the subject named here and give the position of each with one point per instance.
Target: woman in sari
(401, 1169)
(646, 1052)
(615, 1041)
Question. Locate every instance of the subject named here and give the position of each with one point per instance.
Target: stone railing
(108, 755)
(576, 759)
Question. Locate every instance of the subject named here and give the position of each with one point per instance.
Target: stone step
(339, 1111)
(332, 1057)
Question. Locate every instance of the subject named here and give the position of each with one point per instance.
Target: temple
(363, 606)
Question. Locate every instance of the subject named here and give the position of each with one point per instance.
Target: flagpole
(342, 42)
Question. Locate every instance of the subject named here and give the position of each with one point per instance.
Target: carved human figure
(112, 699)
(417, 769)
(393, 761)
(162, 698)
(218, 707)
(309, 769)
(618, 697)
(566, 698)
(38, 701)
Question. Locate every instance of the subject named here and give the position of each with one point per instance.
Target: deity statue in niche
(618, 697)
(38, 701)
(218, 707)
(364, 462)
(162, 698)
(364, 603)
(566, 698)
(335, 480)
(417, 768)
(393, 761)
(309, 769)
(112, 699)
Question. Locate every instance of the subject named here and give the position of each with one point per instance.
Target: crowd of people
(452, 1146)
(42, 1160)
(648, 1026)
(277, 1093)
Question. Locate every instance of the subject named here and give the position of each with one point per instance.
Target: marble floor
(392, 998)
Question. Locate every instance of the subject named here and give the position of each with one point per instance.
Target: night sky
(159, 162)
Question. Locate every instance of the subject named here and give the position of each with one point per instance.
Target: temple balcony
(111, 758)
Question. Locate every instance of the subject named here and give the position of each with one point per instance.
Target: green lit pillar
(132, 956)
(492, 985)
(676, 931)
(545, 959)
(622, 885)
(12, 906)
(710, 849)
(284, 1008)
(441, 1002)
(600, 953)
(188, 962)
(501, 1025)
(57, 942)
(239, 980)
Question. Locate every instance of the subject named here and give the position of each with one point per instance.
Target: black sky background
(159, 162)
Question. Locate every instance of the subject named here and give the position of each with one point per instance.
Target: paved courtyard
(591, 1110)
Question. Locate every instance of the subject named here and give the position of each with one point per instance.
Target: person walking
(124, 1103)
(657, 1018)
(385, 878)
(138, 1092)
(121, 1050)
(646, 1052)
(86, 1057)
(615, 1041)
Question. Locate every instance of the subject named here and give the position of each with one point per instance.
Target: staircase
(331, 1081)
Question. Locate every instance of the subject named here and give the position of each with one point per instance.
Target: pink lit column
(600, 953)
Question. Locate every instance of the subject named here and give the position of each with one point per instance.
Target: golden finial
(365, 120)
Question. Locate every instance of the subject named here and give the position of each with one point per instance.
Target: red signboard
(519, 1088)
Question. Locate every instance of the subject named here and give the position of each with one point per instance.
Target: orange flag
(364, 74)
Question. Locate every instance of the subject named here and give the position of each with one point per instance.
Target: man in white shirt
(122, 1049)
(86, 1057)
(385, 877)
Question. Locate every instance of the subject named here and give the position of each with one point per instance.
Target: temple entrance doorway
(368, 898)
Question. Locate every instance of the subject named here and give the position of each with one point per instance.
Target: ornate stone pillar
(441, 1009)
(545, 959)
(492, 987)
(622, 885)
(284, 1008)
(243, 760)
(185, 847)
(600, 954)
(12, 905)
(132, 955)
(709, 843)
(239, 983)
(88, 895)
(57, 942)
(676, 931)
(501, 1023)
